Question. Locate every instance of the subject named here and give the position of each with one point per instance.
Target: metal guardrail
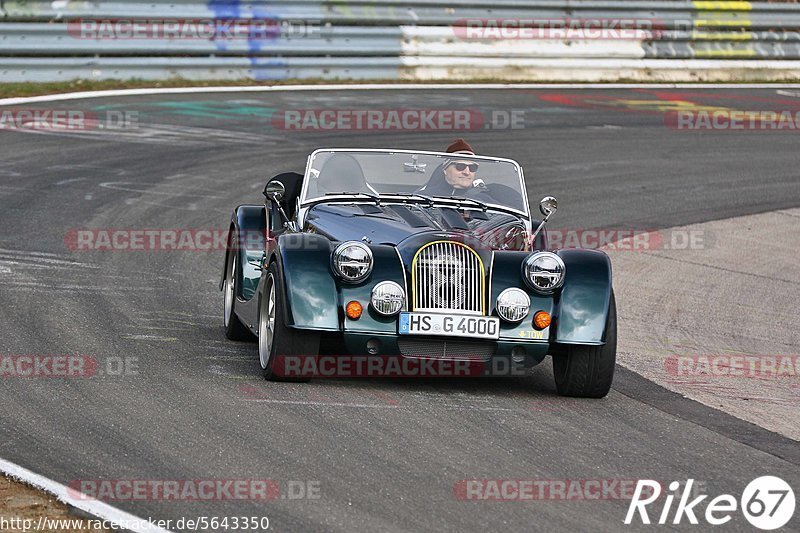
(36, 39)
(197, 68)
(415, 39)
(421, 12)
(64, 40)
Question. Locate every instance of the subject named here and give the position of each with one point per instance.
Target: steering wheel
(479, 193)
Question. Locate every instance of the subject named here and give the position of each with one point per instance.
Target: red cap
(460, 146)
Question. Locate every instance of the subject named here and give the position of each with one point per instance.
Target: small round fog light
(388, 298)
(513, 304)
(373, 346)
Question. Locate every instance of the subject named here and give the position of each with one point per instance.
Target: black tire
(234, 329)
(284, 340)
(588, 371)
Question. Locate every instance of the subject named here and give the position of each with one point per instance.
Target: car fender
(315, 298)
(249, 222)
(312, 299)
(583, 301)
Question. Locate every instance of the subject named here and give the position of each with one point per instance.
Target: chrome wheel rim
(229, 291)
(266, 325)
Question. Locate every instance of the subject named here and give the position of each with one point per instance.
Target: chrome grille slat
(450, 272)
(449, 276)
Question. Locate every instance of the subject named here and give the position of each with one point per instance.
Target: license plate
(481, 327)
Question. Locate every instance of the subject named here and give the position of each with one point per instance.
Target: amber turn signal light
(541, 319)
(354, 310)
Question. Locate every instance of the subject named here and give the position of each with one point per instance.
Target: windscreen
(491, 181)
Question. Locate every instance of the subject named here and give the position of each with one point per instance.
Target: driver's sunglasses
(473, 167)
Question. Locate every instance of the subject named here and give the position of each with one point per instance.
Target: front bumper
(460, 349)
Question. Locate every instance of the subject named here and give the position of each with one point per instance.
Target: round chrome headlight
(543, 271)
(513, 305)
(388, 298)
(352, 261)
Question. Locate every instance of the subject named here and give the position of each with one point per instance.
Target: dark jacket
(438, 186)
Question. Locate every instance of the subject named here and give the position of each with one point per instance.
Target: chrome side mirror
(275, 190)
(548, 205)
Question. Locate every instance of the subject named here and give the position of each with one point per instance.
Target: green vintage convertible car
(415, 255)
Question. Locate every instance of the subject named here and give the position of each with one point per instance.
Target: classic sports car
(380, 252)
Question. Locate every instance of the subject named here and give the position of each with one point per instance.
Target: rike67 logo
(767, 503)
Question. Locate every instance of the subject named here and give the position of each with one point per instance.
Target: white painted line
(72, 180)
(377, 406)
(384, 87)
(142, 337)
(324, 404)
(100, 510)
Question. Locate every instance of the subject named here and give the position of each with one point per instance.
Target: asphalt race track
(384, 455)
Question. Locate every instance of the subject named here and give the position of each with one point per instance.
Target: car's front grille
(446, 348)
(448, 276)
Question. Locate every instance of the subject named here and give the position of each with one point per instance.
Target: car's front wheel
(587, 371)
(234, 329)
(276, 341)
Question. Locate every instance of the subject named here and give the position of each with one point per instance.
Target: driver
(457, 176)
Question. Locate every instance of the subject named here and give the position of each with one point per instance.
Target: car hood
(395, 223)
